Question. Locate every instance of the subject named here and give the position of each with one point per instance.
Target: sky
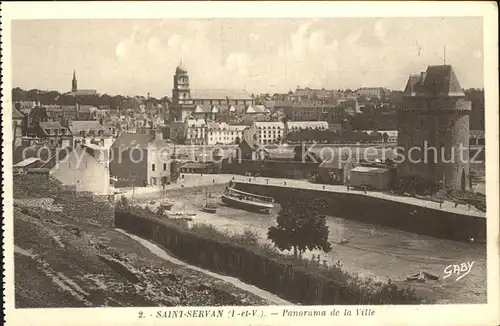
(134, 57)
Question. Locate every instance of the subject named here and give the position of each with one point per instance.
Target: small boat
(247, 201)
(421, 277)
(166, 204)
(182, 214)
(343, 241)
(209, 207)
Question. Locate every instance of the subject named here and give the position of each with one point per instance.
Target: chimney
(423, 74)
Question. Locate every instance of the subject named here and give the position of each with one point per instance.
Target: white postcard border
(483, 314)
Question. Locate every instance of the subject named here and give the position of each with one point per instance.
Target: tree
(301, 225)
(237, 140)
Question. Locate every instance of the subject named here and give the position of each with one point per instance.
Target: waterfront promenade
(303, 184)
(191, 180)
(197, 180)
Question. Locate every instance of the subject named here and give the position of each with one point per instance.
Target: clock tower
(181, 94)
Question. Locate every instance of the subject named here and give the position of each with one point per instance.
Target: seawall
(394, 214)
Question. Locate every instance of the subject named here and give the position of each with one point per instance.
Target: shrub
(123, 203)
(210, 231)
(249, 238)
(269, 250)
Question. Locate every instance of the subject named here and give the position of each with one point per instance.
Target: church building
(207, 104)
(80, 92)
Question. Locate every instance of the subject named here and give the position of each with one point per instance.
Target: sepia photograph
(212, 167)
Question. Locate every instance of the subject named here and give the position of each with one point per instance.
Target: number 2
(141, 314)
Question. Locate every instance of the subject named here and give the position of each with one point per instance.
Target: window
(153, 167)
(164, 166)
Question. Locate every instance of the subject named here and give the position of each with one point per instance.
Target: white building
(86, 167)
(223, 133)
(300, 125)
(267, 132)
(273, 132)
(195, 131)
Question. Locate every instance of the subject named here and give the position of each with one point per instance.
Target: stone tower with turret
(433, 129)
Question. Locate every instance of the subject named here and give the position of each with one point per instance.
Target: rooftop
(220, 94)
(139, 140)
(256, 109)
(85, 125)
(51, 125)
(434, 82)
(16, 114)
(26, 162)
(180, 69)
(130, 140)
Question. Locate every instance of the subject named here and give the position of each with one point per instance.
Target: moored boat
(166, 205)
(247, 201)
(421, 277)
(209, 207)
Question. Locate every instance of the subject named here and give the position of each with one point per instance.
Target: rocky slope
(61, 260)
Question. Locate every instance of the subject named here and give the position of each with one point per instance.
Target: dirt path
(234, 281)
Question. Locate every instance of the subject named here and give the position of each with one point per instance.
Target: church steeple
(74, 85)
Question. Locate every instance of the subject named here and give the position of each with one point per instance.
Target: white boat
(182, 214)
(247, 201)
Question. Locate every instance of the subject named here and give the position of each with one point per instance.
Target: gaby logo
(459, 270)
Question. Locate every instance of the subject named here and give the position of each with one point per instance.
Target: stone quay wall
(394, 214)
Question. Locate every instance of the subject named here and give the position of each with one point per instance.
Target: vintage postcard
(250, 163)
